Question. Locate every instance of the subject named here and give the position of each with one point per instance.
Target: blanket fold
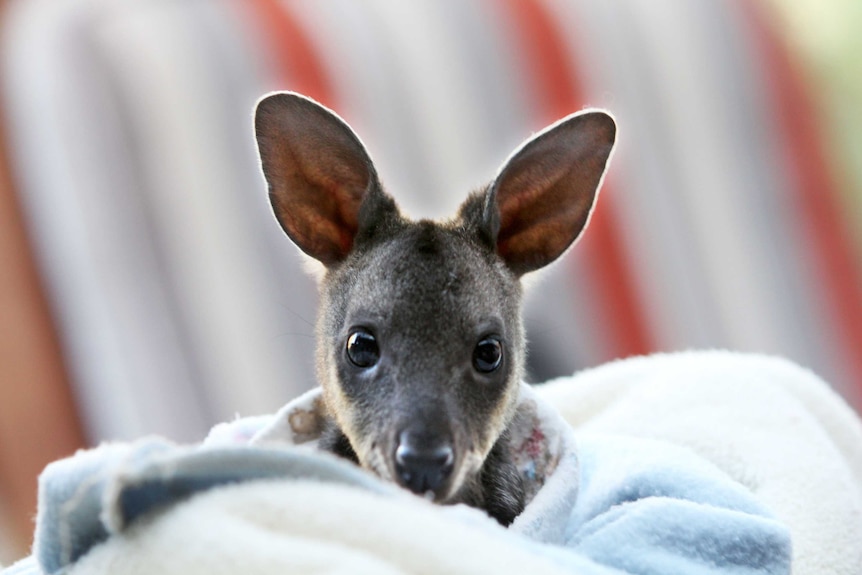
(261, 498)
(98, 493)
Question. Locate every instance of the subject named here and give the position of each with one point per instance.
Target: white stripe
(75, 185)
(440, 97)
(196, 196)
(809, 336)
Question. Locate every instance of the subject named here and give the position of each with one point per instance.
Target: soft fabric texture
(261, 526)
(768, 423)
(610, 502)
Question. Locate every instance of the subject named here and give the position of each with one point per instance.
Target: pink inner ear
(535, 247)
(318, 174)
(322, 220)
(545, 196)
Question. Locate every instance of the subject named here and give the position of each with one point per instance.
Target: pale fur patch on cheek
(370, 456)
(336, 402)
(341, 409)
(500, 418)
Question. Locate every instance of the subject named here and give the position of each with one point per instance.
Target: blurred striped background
(146, 287)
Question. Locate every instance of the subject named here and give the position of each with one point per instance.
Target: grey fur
(428, 292)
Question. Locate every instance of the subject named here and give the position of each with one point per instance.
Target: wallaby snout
(423, 463)
(420, 340)
(426, 444)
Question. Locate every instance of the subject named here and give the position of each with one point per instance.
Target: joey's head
(420, 344)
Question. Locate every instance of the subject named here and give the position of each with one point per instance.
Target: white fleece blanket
(632, 506)
(771, 425)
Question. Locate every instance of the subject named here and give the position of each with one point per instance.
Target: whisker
(293, 333)
(298, 316)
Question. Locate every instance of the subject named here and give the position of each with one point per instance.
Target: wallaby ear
(544, 194)
(318, 173)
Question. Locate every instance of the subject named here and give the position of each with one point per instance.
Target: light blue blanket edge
(636, 506)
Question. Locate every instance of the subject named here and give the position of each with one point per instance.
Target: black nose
(422, 465)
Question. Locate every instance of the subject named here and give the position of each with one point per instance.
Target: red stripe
(816, 195)
(558, 92)
(296, 62)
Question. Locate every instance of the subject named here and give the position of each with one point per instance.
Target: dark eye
(488, 355)
(362, 350)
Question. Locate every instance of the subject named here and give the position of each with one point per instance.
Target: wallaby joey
(420, 342)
